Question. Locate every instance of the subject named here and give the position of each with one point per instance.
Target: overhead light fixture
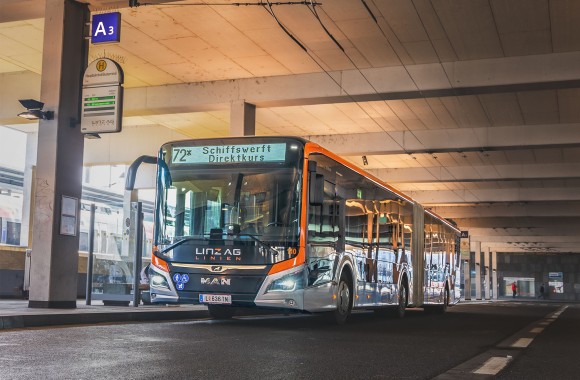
(34, 110)
(365, 161)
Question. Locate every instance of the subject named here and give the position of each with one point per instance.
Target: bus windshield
(258, 202)
(229, 195)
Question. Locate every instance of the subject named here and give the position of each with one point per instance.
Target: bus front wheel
(343, 300)
(399, 311)
(443, 307)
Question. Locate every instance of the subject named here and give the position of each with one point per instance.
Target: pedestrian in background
(542, 292)
(514, 290)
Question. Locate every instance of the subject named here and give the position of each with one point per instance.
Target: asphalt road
(421, 346)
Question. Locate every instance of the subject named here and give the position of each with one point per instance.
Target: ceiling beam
(439, 197)
(539, 249)
(386, 83)
(479, 173)
(453, 140)
(524, 233)
(20, 10)
(503, 222)
(510, 209)
(547, 240)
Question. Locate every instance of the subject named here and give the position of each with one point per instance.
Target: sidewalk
(16, 314)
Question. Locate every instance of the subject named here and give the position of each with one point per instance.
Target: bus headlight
(288, 283)
(158, 281)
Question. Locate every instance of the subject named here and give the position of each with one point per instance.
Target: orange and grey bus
(282, 223)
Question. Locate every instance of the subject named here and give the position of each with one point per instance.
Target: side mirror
(132, 170)
(316, 193)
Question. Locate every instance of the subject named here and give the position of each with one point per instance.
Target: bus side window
(323, 219)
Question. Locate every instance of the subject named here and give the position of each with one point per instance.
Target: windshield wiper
(262, 243)
(179, 242)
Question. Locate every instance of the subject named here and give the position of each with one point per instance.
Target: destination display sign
(102, 96)
(229, 154)
(101, 109)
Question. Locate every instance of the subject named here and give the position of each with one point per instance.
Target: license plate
(216, 298)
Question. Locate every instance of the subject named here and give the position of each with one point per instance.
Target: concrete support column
(486, 257)
(54, 265)
(242, 118)
(28, 188)
(495, 286)
(478, 270)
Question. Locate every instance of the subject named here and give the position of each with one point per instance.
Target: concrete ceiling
(469, 107)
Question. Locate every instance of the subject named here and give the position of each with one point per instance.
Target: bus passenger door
(372, 249)
(321, 249)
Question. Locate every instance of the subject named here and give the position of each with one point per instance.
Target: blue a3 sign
(106, 28)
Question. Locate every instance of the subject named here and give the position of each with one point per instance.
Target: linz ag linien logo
(218, 254)
(216, 281)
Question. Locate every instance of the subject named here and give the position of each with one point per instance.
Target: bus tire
(343, 300)
(221, 312)
(442, 309)
(401, 307)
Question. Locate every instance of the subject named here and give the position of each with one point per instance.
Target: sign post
(465, 251)
(464, 245)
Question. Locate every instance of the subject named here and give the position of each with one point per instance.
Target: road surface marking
(537, 330)
(493, 365)
(522, 342)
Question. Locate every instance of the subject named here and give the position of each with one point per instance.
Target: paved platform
(16, 314)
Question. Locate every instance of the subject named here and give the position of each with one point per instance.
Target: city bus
(282, 223)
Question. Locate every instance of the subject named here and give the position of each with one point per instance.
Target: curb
(40, 320)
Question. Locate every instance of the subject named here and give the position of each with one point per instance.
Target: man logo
(217, 268)
(216, 281)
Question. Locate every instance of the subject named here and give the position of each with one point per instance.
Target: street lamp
(34, 110)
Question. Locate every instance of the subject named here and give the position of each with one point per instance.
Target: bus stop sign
(102, 97)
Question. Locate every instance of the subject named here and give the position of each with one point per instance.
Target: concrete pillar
(478, 270)
(486, 257)
(28, 188)
(242, 118)
(494, 283)
(54, 265)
